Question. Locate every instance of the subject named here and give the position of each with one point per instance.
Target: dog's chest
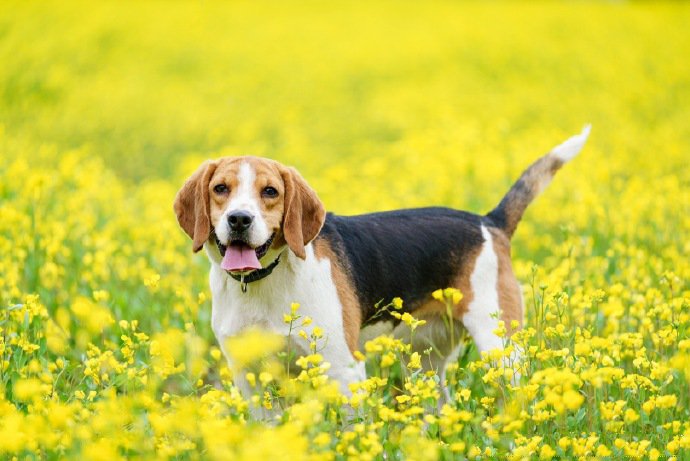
(264, 304)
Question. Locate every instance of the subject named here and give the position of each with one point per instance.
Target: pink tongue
(240, 258)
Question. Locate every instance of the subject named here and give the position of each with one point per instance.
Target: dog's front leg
(246, 389)
(256, 410)
(239, 379)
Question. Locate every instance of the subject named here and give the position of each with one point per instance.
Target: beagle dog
(271, 243)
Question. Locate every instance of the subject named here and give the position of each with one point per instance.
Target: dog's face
(250, 208)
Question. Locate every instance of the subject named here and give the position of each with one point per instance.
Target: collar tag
(258, 274)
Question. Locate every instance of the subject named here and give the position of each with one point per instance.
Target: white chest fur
(307, 282)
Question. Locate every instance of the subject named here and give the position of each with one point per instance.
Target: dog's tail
(534, 179)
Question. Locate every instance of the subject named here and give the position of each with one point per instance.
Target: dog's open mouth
(240, 257)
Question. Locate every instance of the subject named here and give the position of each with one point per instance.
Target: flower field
(106, 350)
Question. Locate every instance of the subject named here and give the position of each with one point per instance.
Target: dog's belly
(374, 330)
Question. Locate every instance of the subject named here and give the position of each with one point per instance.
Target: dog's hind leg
(482, 315)
(495, 294)
(434, 343)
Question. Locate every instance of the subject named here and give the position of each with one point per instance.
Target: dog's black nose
(240, 221)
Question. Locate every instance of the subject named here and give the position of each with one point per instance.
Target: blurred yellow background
(345, 86)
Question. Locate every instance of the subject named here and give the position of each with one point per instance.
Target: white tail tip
(572, 146)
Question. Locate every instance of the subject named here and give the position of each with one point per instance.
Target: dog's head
(253, 208)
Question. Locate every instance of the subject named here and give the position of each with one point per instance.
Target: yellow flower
(501, 330)
(456, 296)
(268, 401)
(457, 447)
(265, 377)
(414, 362)
(473, 452)
(403, 398)
(28, 389)
(564, 443)
(93, 316)
(603, 451)
(322, 440)
(309, 360)
(452, 295)
(56, 338)
(572, 399)
(631, 416)
(666, 401)
(546, 452)
(152, 281)
(387, 360)
(101, 295)
(252, 345)
(409, 320)
(215, 353)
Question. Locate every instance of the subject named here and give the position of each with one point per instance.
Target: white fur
(245, 198)
(481, 318)
(307, 282)
(572, 146)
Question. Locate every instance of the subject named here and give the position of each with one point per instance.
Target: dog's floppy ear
(304, 213)
(192, 205)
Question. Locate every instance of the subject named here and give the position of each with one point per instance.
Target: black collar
(253, 276)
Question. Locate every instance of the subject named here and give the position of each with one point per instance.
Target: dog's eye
(220, 189)
(269, 192)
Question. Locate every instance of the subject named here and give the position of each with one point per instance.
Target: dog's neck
(283, 263)
(254, 275)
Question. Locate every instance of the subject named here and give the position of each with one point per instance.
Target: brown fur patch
(192, 205)
(509, 295)
(304, 214)
(352, 313)
(272, 208)
(226, 173)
